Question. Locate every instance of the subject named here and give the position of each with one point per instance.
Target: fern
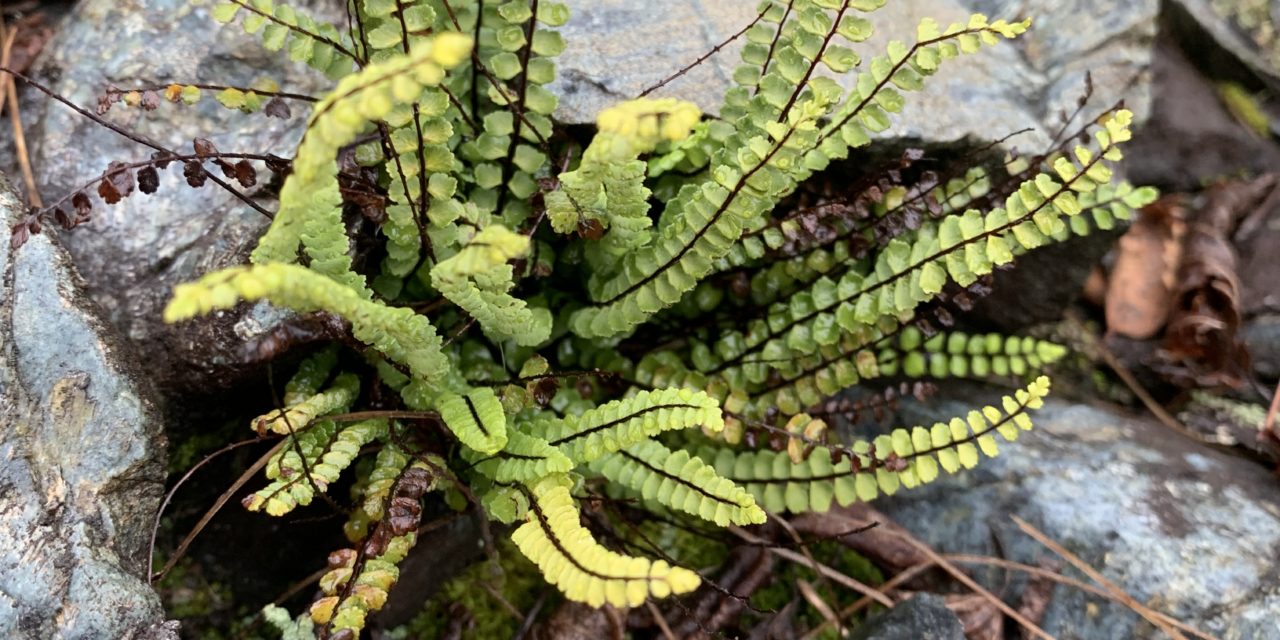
(905, 458)
(622, 423)
(572, 560)
(674, 307)
(398, 333)
(315, 43)
(328, 452)
(478, 279)
(686, 483)
(476, 418)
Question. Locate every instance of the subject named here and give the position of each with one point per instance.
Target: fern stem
(337, 46)
(813, 64)
(704, 57)
(142, 140)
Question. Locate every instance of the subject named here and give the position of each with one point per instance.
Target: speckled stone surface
(82, 446)
(618, 48)
(1182, 528)
(133, 253)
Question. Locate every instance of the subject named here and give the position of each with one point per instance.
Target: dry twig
(1097, 576)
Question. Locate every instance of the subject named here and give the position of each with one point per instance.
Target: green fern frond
(959, 248)
(555, 540)
(675, 479)
(904, 458)
(622, 423)
(962, 355)
(777, 143)
(318, 44)
(328, 452)
(525, 459)
(608, 187)
(338, 397)
(476, 418)
(397, 332)
(310, 376)
(310, 205)
(478, 279)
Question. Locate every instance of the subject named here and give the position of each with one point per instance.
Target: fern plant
(667, 270)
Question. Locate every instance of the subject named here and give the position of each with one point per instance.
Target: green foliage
(675, 306)
(903, 458)
(554, 539)
(676, 479)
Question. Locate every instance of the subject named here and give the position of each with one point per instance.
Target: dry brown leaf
(980, 618)
(1201, 345)
(1141, 281)
(1038, 593)
(887, 545)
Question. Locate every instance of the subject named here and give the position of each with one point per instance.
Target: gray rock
(923, 617)
(1191, 138)
(83, 447)
(1262, 338)
(134, 252)
(1181, 527)
(1215, 24)
(616, 49)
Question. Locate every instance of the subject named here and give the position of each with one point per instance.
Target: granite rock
(134, 252)
(1181, 527)
(83, 449)
(923, 617)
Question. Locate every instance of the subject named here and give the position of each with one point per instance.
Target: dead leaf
(1038, 593)
(1201, 344)
(980, 618)
(1141, 281)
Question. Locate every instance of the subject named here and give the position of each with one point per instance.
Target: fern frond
(622, 423)
(961, 355)
(677, 480)
(318, 44)
(959, 248)
(476, 418)
(608, 187)
(311, 374)
(525, 459)
(555, 540)
(777, 143)
(904, 458)
(478, 279)
(310, 205)
(397, 332)
(337, 397)
(328, 452)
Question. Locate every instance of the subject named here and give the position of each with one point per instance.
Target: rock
(1236, 38)
(82, 446)
(923, 617)
(616, 49)
(1262, 339)
(1191, 138)
(1182, 528)
(134, 252)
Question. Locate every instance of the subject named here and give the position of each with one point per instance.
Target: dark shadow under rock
(1190, 137)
